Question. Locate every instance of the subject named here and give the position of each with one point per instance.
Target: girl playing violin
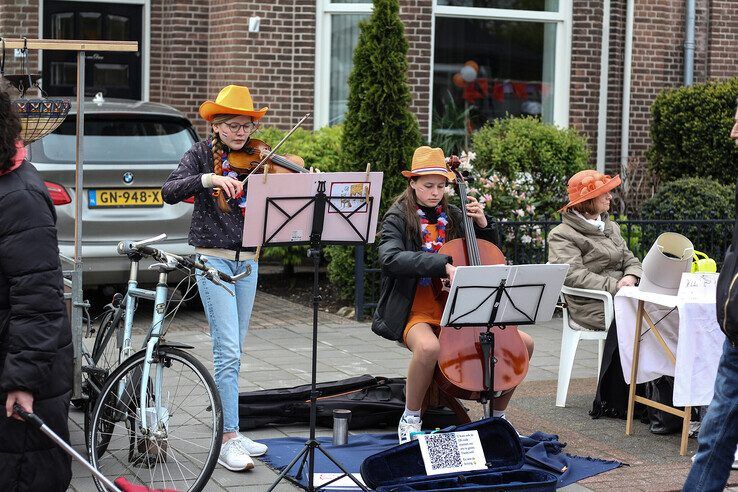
(414, 228)
(205, 173)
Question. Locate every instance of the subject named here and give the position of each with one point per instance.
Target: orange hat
(232, 99)
(589, 184)
(427, 160)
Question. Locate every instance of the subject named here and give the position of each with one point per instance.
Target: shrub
(547, 154)
(379, 127)
(321, 149)
(692, 199)
(690, 132)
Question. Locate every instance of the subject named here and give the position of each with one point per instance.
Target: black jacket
(210, 227)
(403, 263)
(36, 341)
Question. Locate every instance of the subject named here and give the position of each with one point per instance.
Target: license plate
(124, 197)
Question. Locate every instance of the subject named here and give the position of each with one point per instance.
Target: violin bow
(274, 149)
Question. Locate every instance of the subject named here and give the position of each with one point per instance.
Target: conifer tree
(379, 127)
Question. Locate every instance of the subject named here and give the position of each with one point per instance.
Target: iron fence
(526, 242)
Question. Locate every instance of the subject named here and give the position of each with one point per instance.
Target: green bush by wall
(548, 154)
(690, 131)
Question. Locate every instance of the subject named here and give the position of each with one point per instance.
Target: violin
(258, 157)
(460, 369)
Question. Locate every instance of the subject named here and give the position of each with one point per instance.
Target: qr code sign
(443, 451)
(451, 452)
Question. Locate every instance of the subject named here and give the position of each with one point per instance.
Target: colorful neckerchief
(227, 171)
(428, 245)
(17, 159)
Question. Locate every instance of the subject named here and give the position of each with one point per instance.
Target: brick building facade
(197, 46)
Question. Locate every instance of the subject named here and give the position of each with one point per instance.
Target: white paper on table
(698, 287)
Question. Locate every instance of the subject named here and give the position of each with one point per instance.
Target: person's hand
(450, 272)
(231, 187)
(627, 281)
(475, 210)
(22, 398)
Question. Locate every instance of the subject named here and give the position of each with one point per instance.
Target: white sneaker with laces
(408, 425)
(252, 447)
(234, 456)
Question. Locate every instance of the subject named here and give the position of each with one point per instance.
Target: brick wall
(19, 18)
(722, 41)
(417, 15)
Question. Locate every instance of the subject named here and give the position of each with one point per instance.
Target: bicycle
(159, 406)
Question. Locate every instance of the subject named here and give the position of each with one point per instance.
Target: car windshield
(116, 140)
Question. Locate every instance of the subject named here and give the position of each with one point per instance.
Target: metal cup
(340, 426)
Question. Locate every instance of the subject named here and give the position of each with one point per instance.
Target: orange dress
(425, 308)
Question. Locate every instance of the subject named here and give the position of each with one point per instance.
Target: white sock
(498, 413)
(411, 413)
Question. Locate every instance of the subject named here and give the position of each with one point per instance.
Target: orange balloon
(473, 64)
(458, 81)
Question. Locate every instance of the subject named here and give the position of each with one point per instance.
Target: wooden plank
(660, 339)
(661, 406)
(634, 369)
(71, 45)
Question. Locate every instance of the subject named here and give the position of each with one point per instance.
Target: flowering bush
(508, 200)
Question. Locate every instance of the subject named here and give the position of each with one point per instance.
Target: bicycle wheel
(180, 446)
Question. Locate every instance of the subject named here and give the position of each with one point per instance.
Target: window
(489, 57)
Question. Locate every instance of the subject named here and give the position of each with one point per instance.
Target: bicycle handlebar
(142, 247)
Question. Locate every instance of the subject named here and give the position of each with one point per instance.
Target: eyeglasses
(234, 127)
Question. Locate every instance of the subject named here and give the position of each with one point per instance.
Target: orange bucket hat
(427, 160)
(232, 99)
(589, 184)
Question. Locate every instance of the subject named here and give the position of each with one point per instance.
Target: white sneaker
(407, 426)
(252, 447)
(234, 456)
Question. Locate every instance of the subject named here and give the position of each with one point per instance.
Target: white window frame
(145, 50)
(322, 90)
(562, 75)
(562, 67)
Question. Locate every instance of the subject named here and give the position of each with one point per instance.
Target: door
(113, 74)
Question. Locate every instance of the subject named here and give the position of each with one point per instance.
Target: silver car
(130, 147)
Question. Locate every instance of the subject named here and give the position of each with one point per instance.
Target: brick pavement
(278, 354)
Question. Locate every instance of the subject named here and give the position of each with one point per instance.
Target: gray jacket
(597, 260)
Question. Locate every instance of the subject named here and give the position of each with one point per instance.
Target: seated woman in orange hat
(413, 230)
(598, 259)
(205, 173)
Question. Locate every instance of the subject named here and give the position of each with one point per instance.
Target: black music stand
(318, 204)
(500, 296)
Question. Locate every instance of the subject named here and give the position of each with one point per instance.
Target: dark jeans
(718, 435)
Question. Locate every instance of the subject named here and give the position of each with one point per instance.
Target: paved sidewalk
(278, 355)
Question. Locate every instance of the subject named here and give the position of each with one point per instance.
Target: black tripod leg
(487, 342)
(302, 454)
(340, 467)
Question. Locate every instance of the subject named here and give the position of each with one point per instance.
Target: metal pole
(689, 44)
(604, 80)
(77, 297)
(627, 75)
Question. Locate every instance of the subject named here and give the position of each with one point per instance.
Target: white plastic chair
(573, 333)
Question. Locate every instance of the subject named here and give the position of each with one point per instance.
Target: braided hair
(217, 145)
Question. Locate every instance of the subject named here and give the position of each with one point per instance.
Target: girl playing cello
(414, 229)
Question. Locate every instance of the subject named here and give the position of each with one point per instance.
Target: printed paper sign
(698, 287)
(353, 197)
(343, 483)
(452, 452)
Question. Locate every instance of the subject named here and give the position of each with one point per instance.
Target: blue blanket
(542, 452)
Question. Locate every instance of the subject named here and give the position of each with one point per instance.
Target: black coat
(403, 263)
(36, 341)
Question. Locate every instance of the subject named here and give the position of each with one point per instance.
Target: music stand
(500, 296)
(280, 209)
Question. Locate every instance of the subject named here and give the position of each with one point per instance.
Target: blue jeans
(718, 435)
(228, 318)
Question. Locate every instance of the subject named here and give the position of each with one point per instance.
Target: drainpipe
(604, 79)
(689, 42)
(627, 72)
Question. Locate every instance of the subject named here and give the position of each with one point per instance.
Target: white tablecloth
(692, 324)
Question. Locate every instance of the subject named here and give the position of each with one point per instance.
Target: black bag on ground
(726, 303)
(373, 401)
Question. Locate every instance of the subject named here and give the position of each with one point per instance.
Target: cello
(460, 371)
